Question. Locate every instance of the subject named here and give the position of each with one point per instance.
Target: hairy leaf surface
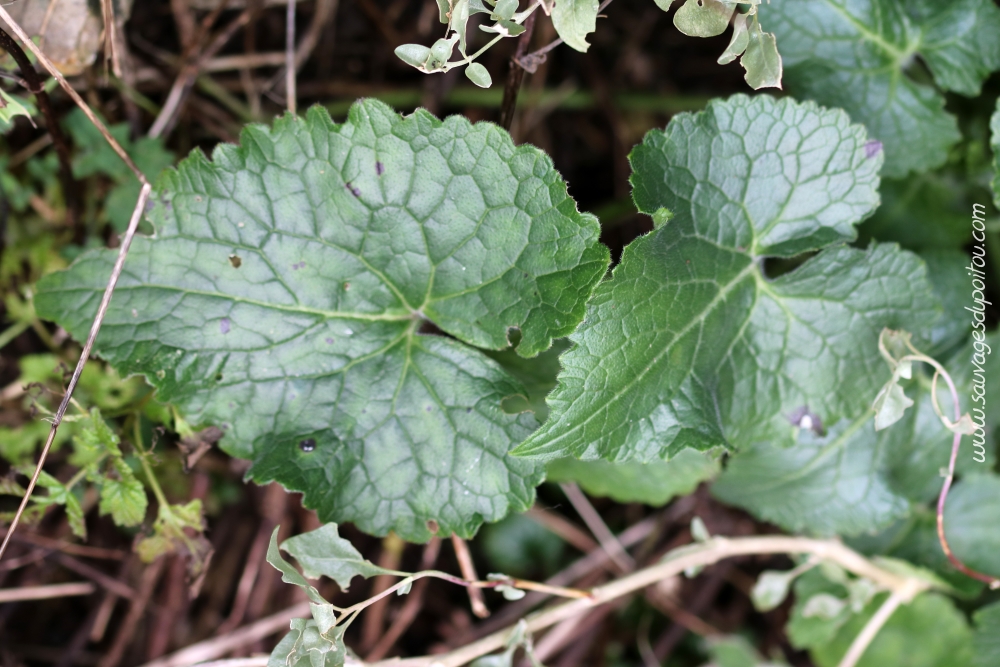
(690, 344)
(856, 54)
(285, 290)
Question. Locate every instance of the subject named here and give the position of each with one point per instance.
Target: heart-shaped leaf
(691, 344)
(287, 287)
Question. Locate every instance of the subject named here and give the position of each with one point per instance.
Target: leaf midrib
(726, 289)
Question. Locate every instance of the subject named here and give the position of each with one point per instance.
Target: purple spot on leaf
(354, 190)
(224, 325)
(329, 341)
(802, 418)
(298, 265)
(872, 148)
(379, 168)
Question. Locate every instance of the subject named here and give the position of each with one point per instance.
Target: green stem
(468, 59)
(161, 498)
(13, 332)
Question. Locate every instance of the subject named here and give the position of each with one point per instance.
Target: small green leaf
(124, 499)
(826, 604)
(440, 52)
(323, 552)
(74, 513)
(739, 41)
(771, 589)
(890, 404)
(413, 54)
(443, 9)
(289, 574)
(761, 59)
(699, 531)
(479, 75)
(10, 108)
(459, 23)
(511, 593)
(574, 20)
(704, 18)
(504, 10)
(307, 645)
(823, 606)
(664, 4)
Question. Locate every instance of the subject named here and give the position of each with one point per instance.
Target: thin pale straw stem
(102, 310)
(42, 58)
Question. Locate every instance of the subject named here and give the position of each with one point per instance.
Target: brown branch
(412, 606)
(290, 69)
(36, 86)
(75, 96)
(469, 574)
(188, 75)
(515, 75)
(46, 592)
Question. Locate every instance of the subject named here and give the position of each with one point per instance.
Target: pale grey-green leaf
(574, 20)
(323, 552)
(704, 18)
(479, 75)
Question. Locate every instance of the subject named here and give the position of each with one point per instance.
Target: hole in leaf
(307, 445)
(772, 267)
(514, 405)
(235, 261)
(513, 336)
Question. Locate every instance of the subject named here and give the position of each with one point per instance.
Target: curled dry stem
(674, 563)
(956, 441)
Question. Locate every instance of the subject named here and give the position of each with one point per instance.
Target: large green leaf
(824, 485)
(927, 632)
(926, 212)
(284, 295)
(654, 483)
(690, 344)
(995, 136)
(855, 54)
(970, 520)
(986, 638)
(853, 480)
